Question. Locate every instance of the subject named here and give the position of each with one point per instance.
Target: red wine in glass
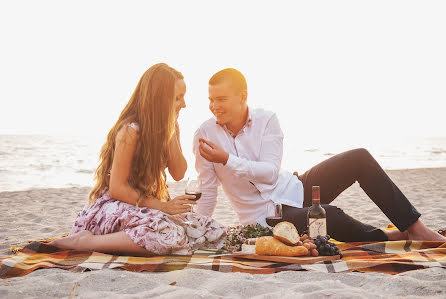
(196, 194)
(192, 188)
(272, 221)
(274, 214)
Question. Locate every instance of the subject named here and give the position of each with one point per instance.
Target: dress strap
(134, 126)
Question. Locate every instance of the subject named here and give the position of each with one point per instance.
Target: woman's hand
(177, 128)
(179, 204)
(176, 162)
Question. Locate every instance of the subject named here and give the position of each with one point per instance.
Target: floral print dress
(157, 232)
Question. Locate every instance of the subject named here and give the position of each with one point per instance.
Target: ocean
(35, 161)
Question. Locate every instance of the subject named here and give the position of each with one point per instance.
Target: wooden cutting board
(248, 252)
(289, 259)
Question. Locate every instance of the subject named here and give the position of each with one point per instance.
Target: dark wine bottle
(316, 217)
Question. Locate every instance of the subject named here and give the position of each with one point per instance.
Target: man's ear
(244, 95)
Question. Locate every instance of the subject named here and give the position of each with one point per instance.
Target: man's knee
(359, 155)
(362, 152)
(334, 214)
(331, 209)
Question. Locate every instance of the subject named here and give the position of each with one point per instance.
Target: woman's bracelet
(141, 195)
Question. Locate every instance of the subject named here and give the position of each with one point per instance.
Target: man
(241, 149)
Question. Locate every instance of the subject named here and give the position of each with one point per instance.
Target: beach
(44, 213)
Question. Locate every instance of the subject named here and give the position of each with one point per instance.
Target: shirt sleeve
(266, 169)
(208, 182)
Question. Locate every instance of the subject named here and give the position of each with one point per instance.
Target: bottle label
(317, 226)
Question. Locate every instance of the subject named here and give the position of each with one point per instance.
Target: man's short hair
(235, 77)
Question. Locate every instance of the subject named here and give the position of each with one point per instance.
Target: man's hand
(212, 153)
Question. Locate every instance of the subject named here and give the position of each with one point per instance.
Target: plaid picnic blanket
(390, 257)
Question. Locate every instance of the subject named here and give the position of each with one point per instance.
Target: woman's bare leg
(118, 242)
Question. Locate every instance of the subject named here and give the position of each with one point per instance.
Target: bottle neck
(316, 202)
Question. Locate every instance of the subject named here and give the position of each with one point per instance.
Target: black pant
(336, 174)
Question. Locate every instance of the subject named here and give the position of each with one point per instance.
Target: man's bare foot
(418, 231)
(395, 235)
(78, 241)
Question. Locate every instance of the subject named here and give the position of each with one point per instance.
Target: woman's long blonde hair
(152, 108)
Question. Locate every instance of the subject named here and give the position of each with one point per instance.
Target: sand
(44, 213)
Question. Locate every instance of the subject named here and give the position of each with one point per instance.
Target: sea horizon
(30, 161)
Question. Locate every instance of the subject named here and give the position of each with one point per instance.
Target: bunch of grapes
(326, 248)
(308, 243)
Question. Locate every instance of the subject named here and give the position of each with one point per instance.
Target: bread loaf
(286, 232)
(271, 246)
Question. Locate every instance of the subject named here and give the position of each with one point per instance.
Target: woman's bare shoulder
(128, 133)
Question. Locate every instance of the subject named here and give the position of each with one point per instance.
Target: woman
(129, 209)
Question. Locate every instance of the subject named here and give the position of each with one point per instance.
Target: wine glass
(273, 214)
(192, 188)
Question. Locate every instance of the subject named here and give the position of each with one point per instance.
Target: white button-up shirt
(252, 178)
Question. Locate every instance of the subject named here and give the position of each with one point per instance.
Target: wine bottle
(316, 217)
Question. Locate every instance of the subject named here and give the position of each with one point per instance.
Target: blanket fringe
(15, 249)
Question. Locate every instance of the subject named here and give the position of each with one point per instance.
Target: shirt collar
(246, 125)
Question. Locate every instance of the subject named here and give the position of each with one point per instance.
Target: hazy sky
(327, 68)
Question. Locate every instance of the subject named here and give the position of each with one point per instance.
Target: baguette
(271, 246)
(286, 232)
